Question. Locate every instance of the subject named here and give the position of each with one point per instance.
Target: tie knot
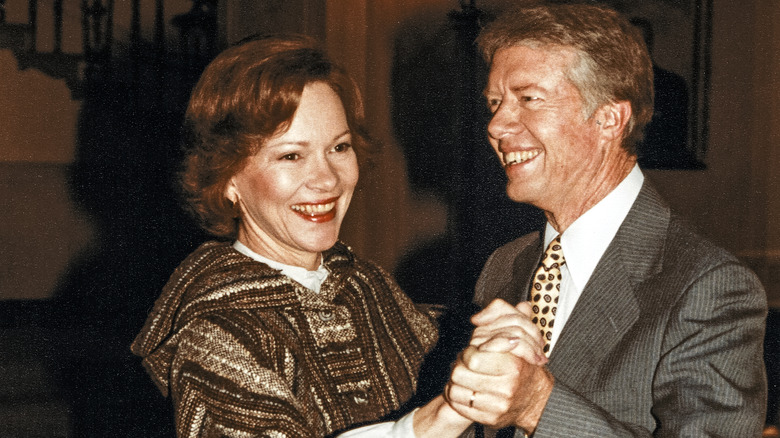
(553, 256)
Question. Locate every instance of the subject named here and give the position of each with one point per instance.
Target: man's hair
(246, 95)
(612, 62)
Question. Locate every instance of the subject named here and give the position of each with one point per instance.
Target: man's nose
(504, 122)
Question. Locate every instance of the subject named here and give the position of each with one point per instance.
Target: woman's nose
(323, 175)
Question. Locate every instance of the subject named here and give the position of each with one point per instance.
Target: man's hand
(499, 389)
(501, 327)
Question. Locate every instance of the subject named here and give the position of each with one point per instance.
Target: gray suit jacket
(665, 341)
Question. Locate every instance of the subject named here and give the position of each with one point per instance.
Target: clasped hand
(500, 378)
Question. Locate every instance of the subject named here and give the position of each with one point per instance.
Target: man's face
(553, 155)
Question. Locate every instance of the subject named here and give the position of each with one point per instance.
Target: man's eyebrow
(514, 90)
(522, 88)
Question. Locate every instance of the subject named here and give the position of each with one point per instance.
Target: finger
(518, 326)
(526, 308)
(489, 363)
(460, 395)
(519, 347)
(495, 309)
(506, 320)
(485, 408)
(481, 406)
(498, 342)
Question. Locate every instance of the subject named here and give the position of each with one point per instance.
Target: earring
(235, 207)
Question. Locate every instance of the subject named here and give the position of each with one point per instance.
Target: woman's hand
(437, 419)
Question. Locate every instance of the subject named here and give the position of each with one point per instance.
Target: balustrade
(47, 39)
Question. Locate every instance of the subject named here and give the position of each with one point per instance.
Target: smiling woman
(293, 193)
(277, 328)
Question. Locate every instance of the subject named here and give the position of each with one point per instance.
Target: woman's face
(293, 193)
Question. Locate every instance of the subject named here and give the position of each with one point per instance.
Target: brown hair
(613, 61)
(245, 96)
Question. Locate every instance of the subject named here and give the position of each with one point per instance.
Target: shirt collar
(309, 279)
(586, 240)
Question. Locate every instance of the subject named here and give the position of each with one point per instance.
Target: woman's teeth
(314, 209)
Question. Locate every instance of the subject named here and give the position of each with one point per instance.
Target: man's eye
(529, 98)
(493, 104)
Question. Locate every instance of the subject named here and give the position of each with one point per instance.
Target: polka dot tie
(545, 290)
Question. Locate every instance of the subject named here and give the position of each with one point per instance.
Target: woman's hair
(246, 95)
(612, 60)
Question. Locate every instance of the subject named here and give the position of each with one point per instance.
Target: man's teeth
(519, 157)
(314, 209)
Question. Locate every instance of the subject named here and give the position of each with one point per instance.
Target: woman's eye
(342, 147)
(290, 157)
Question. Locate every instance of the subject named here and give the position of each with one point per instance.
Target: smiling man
(650, 330)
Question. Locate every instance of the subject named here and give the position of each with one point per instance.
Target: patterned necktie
(545, 290)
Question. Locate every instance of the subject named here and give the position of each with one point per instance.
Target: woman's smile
(317, 211)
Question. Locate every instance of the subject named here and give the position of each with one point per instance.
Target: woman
(276, 328)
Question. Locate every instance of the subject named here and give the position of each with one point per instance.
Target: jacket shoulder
(504, 256)
(503, 265)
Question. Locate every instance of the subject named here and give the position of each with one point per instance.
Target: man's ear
(613, 118)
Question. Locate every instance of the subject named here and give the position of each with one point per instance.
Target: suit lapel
(522, 272)
(608, 306)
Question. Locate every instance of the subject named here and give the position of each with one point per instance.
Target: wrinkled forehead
(525, 62)
(544, 50)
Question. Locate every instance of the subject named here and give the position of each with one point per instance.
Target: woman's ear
(231, 191)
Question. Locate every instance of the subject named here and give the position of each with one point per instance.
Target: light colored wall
(385, 217)
(736, 202)
(43, 232)
(36, 124)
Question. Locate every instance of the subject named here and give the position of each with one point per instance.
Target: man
(654, 331)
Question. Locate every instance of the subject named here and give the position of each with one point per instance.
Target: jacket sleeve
(229, 379)
(709, 379)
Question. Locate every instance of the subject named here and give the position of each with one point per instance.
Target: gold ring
(472, 398)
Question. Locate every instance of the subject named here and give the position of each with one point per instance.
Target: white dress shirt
(586, 240)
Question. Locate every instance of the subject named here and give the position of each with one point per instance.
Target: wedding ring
(472, 398)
